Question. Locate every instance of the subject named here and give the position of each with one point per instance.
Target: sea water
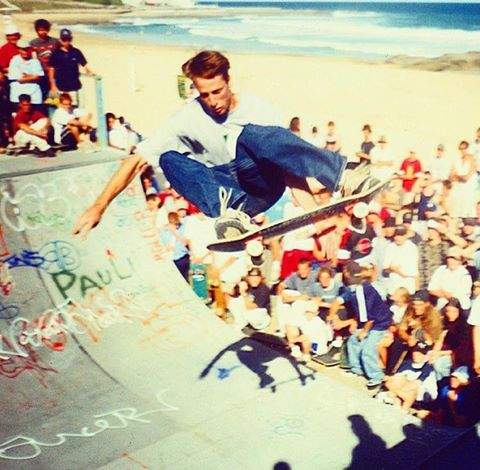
(366, 30)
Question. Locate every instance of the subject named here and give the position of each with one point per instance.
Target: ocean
(352, 29)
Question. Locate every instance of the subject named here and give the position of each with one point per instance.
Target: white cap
(254, 248)
(360, 210)
(23, 44)
(11, 28)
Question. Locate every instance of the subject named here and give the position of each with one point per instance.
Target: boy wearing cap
(10, 48)
(25, 73)
(65, 63)
(372, 317)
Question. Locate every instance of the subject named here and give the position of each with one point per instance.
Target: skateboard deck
(286, 225)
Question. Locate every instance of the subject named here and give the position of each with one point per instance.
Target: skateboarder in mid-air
(227, 154)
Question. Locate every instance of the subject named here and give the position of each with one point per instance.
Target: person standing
(43, 46)
(65, 64)
(10, 48)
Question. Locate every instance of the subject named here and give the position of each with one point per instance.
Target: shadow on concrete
(424, 447)
(256, 356)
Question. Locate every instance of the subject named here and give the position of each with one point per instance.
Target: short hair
(303, 261)
(173, 218)
(207, 64)
(464, 142)
(153, 197)
(330, 123)
(367, 127)
(326, 270)
(65, 97)
(314, 129)
(24, 97)
(109, 116)
(42, 24)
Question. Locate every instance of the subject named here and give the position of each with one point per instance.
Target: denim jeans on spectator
(183, 265)
(363, 355)
(256, 176)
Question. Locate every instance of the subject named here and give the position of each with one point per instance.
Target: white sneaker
(232, 222)
(355, 181)
(296, 352)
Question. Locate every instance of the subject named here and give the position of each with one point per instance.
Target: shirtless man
(227, 154)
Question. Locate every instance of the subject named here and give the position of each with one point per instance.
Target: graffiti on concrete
(26, 448)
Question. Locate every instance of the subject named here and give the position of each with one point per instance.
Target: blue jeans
(264, 154)
(363, 355)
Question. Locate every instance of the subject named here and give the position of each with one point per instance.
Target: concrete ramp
(108, 360)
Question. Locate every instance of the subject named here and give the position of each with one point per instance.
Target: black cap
(421, 296)
(400, 231)
(254, 272)
(353, 269)
(407, 218)
(65, 33)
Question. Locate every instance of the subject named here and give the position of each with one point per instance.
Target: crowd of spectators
(33, 76)
(388, 290)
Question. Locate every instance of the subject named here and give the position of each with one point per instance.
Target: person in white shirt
(440, 168)
(24, 73)
(476, 149)
(381, 159)
(69, 124)
(120, 136)
(227, 154)
(401, 263)
(451, 280)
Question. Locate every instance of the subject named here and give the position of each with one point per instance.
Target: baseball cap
(65, 33)
(407, 218)
(421, 296)
(461, 373)
(440, 147)
(360, 210)
(353, 269)
(23, 44)
(181, 204)
(254, 248)
(10, 29)
(455, 252)
(433, 224)
(400, 231)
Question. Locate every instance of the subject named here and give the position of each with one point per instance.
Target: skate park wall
(109, 360)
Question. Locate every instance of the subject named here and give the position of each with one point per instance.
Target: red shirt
(26, 118)
(7, 51)
(412, 164)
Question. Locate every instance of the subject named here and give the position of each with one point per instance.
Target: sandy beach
(414, 108)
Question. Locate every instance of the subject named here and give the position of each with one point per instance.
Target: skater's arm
(129, 168)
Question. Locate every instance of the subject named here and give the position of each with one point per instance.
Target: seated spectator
(332, 141)
(24, 73)
(451, 280)
(432, 253)
(5, 111)
(70, 124)
(410, 168)
(440, 168)
(393, 196)
(120, 135)
(10, 49)
(474, 321)
(372, 318)
(172, 237)
(252, 304)
(65, 64)
(381, 159)
(366, 146)
(154, 205)
(457, 347)
(401, 263)
(43, 46)
(31, 127)
(315, 138)
(415, 380)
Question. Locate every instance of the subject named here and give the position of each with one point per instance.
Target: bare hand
(88, 220)
(361, 335)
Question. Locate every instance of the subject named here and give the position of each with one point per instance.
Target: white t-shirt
(457, 282)
(200, 230)
(406, 258)
(61, 118)
(191, 130)
(121, 137)
(474, 317)
(17, 68)
(440, 168)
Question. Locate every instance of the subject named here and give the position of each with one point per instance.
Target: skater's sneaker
(232, 222)
(355, 181)
(296, 352)
(329, 359)
(374, 383)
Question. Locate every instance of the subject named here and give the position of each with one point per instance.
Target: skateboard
(286, 225)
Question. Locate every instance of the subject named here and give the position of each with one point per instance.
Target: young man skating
(226, 153)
